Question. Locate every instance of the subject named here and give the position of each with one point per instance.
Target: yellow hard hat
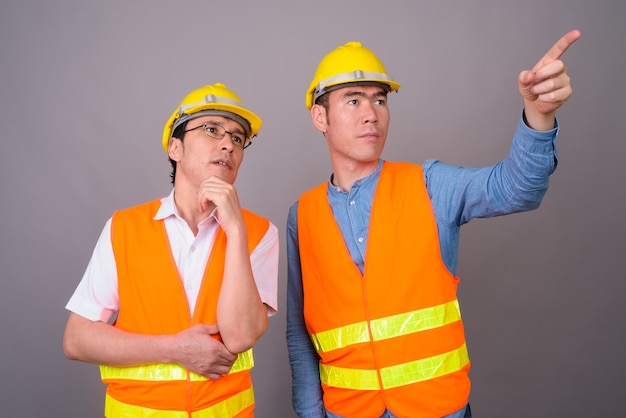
(212, 100)
(350, 63)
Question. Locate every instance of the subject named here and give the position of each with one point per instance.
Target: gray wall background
(86, 87)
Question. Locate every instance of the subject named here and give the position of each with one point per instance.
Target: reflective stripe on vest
(170, 372)
(394, 376)
(389, 327)
(225, 409)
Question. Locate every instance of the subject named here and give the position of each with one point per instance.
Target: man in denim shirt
(340, 365)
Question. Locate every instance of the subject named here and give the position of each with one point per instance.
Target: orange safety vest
(391, 337)
(152, 301)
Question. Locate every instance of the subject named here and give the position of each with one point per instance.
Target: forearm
(518, 183)
(304, 360)
(100, 343)
(537, 120)
(524, 175)
(194, 348)
(306, 387)
(241, 314)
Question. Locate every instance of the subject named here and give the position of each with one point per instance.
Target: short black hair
(179, 133)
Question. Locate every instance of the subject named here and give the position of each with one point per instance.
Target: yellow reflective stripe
(416, 321)
(245, 361)
(227, 408)
(340, 337)
(114, 408)
(170, 372)
(394, 376)
(425, 369)
(388, 327)
(340, 377)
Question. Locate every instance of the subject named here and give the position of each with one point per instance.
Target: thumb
(526, 78)
(211, 329)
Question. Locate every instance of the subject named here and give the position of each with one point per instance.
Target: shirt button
(352, 203)
(360, 239)
(193, 248)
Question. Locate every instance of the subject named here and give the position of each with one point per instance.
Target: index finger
(559, 48)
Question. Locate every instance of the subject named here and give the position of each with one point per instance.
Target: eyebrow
(352, 93)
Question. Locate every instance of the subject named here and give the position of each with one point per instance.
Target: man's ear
(319, 117)
(175, 149)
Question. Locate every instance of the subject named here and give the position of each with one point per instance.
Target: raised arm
(241, 315)
(547, 86)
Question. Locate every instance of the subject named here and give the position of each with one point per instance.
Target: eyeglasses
(215, 131)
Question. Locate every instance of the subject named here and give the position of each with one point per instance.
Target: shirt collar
(364, 181)
(167, 208)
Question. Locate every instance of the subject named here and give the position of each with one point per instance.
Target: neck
(186, 202)
(344, 176)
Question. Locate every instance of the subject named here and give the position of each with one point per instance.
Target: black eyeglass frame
(218, 136)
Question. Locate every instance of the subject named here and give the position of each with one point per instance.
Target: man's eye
(237, 139)
(211, 130)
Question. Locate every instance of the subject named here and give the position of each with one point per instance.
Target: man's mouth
(370, 134)
(223, 163)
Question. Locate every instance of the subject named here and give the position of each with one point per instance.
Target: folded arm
(194, 349)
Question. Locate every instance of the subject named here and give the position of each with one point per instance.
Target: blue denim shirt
(458, 194)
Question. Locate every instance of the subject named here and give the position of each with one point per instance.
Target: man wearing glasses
(178, 290)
